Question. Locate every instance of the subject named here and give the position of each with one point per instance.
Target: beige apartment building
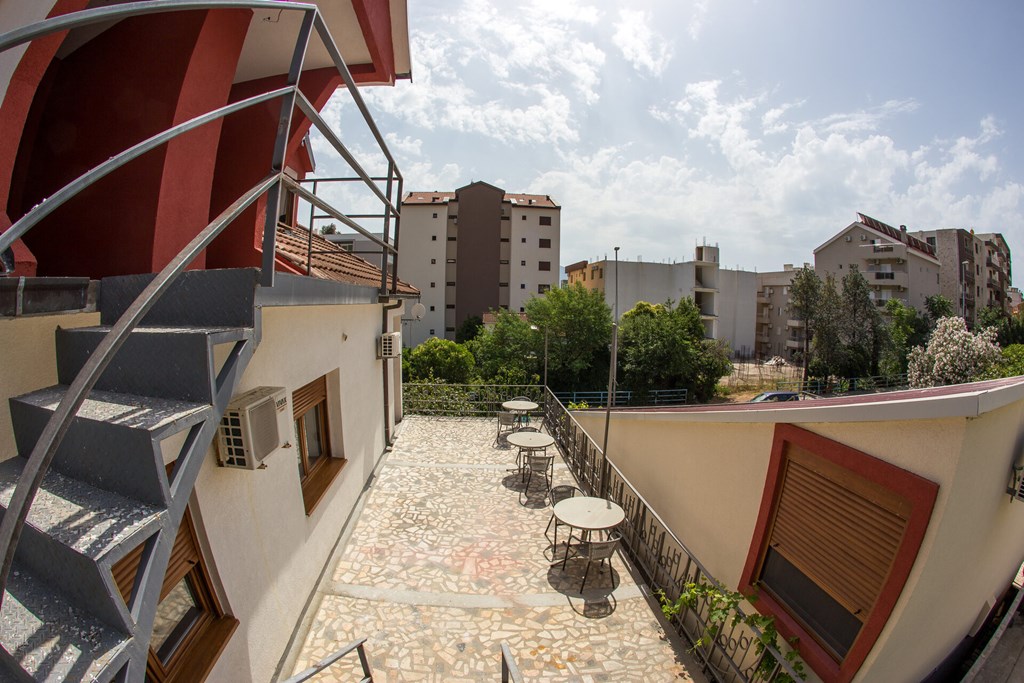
(726, 298)
(778, 334)
(897, 265)
(475, 250)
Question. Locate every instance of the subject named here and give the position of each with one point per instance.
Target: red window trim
(918, 491)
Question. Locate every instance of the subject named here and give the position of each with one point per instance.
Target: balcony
(794, 344)
(449, 558)
(798, 324)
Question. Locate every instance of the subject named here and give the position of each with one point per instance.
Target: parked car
(776, 396)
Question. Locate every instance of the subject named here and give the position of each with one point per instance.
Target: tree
(712, 365)
(658, 345)
(907, 329)
(506, 352)
(329, 229)
(827, 345)
(991, 316)
(579, 328)
(938, 307)
(1011, 330)
(953, 355)
(441, 359)
(469, 329)
(862, 328)
(804, 293)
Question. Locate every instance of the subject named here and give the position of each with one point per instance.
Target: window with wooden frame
(190, 629)
(317, 464)
(837, 534)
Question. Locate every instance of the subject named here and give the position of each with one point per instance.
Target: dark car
(776, 396)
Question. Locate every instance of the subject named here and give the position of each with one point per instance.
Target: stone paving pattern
(448, 559)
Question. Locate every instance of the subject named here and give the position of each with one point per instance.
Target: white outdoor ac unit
(849, 238)
(253, 427)
(390, 345)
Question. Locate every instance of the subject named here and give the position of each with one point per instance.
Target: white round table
(531, 440)
(520, 406)
(589, 514)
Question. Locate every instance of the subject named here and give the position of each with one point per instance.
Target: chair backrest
(506, 418)
(563, 492)
(539, 461)
(603, 550)
(521, 398)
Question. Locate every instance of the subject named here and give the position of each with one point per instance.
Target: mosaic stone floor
(449, 558)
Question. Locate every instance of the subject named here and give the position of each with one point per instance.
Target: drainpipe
(387, 393)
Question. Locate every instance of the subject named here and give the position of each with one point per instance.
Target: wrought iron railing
(463, 400)
(626, 397)
(332, 659)
(270, 186)
(509, 668)
(837, 386)
(735, 653)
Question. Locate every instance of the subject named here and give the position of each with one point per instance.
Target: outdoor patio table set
(585, 514)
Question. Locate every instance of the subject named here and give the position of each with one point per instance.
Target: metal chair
(505, 419)
(597, 551)
(524, 418)
(558, 494)
(543, 464)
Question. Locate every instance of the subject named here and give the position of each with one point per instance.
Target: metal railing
(357, 647)
(735, 653)
(270, 186)
(626, 397)
(509, 668)
(845, 385)
(463, 400)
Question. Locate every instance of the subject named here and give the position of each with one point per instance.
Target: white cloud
(640, 46)
(700, 13)
(866, 119)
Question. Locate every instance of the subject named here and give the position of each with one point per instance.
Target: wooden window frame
(917, 496)
(545, 220)
(200, 647)
(316, 478)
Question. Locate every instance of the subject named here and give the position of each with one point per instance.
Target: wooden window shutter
(184, 556)
(308, 396)
(838, 528)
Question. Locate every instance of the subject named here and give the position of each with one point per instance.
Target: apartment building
(778, 333)
(897, 265)
(726, 298)
(474, 250)
(998, 275)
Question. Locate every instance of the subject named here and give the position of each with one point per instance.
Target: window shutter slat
(308, 396)
(838, 531)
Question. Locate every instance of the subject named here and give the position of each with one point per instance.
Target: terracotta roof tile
(330, 262)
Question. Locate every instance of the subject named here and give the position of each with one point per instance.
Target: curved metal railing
(271, 186)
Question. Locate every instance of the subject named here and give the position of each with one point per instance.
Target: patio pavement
(444, 563)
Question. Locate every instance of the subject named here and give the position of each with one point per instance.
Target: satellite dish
(418, 310)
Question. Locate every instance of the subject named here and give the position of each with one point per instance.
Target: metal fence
(626, 397)
(845, 385)
(734, 653)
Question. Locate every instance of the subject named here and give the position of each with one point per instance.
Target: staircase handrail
(331, 659)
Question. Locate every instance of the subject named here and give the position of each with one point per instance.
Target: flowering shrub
(953, 355)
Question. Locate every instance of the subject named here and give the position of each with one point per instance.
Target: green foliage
(804, 293)
(712, 365)
(1011, 330)
(953, 355)
(469, 329)
(991, 316)
(862, 328)
(440, 359)
(829, 352)
(907, 329)
(1012, 363)
(329, 229)
(507, 352)
(427, 397)
(723, 610)
(577, 405)
(938, 307)
(579, 327)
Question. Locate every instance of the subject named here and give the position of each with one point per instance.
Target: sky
(761, 126)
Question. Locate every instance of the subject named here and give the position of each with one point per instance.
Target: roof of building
(541, 201)
(330, 262)
(900, 236)
(579, 265)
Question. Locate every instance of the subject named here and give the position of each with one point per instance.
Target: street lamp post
(534, 327)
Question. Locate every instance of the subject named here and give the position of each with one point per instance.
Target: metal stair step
(75, 533)
(170, 362)
(114, 441)
(50, 639)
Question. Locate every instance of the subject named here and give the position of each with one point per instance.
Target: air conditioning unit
(389, 345)
(254, 425)
(899, 260)
(849, 238)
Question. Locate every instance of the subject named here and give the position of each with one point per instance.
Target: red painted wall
(136, 79)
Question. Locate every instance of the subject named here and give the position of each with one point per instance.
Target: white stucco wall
(265, 551)
(704, 474)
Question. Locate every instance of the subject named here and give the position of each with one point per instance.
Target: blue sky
(761, 126)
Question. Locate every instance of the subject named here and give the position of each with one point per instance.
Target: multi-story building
(726, 298)
(997, 272)
(961, 278)
(896, 264)
(475, 250)
(778, 332)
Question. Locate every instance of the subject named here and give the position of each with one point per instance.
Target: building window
(433, 238)
(522, 263)
(503, 262)
(433, 261)
(451, 239)
(522, 285)
(431, 308)
(543, 288)
(503, 284)
(432, 285)
(544, 265)
(317, 465)
(524, 240)
(836, 537)
(545, 243)
(545, 220)
(451, 283)
(435, 215)
(451, 260)
(432, 332)
(504, 239)
(450, 306)
(190, 628)
(449, 329)
(524, 216)
(522, 309)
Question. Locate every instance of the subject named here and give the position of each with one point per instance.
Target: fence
(655, 397)
(845, 385)
(734, 653)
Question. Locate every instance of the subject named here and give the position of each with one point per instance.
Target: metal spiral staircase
(146, 387)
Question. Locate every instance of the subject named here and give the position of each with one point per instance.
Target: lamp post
(611, 369)
(537, 329)
(963, 289)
